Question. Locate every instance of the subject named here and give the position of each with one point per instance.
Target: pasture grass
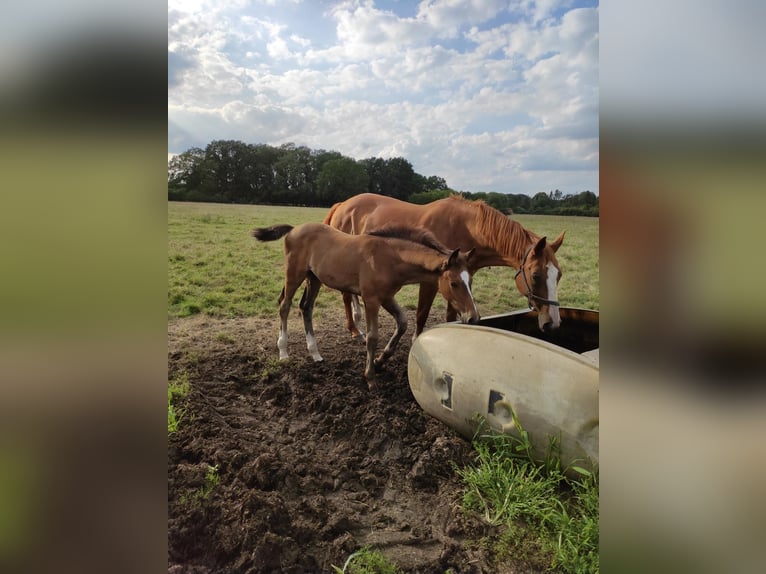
(216, 268)
(544, 515)
(178, 388)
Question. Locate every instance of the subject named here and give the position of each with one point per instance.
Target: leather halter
(531, 295)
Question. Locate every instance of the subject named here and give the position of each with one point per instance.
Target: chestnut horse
(463, 224)
(373, 266)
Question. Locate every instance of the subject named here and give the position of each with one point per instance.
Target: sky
(490, 95)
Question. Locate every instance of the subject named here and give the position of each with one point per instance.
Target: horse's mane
(419, 236)
(499, 232)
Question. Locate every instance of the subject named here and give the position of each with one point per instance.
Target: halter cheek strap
(531, 295)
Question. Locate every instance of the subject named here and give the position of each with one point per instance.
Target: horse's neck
(501, 241)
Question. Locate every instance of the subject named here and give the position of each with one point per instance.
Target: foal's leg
(307, 308)
(401, 326)
(426, 297)
(285, 301)
(371, 309)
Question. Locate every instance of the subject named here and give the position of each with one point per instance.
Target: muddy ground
(312, 465)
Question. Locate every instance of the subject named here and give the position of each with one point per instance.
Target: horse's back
(369, 211)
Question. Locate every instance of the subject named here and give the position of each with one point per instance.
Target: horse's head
(455, 285)
(537, 279)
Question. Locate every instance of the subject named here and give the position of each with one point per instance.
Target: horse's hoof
(372, 385)
(317, 358)
(359, 338)
(283, 357)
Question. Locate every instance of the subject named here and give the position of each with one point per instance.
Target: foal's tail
(271, 233)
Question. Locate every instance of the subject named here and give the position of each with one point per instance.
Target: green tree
(435, 182)
(428, 196)
(340, 179)
(295, 175)
(541, 202)
(229, 161)
(398, 179)
(375, 167)
(262, 179)
(185, 172)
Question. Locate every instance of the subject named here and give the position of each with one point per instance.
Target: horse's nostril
(548, 327)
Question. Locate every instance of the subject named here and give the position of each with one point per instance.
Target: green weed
(271, 368)
(199, 496)
(367, 561)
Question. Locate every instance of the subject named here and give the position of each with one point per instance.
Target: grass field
(216, 268)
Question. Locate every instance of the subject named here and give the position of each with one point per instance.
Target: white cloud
(446, 17)
(487, 96)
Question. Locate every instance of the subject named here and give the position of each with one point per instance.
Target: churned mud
(292, 466)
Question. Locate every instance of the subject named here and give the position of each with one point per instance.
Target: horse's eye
(537, 277)
(454, 284)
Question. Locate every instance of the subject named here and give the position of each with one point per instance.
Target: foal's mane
(419, 236)
(504, 235)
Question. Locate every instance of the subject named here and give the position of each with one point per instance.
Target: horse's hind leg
(371, 309)
(353, 316)
(285, 301)
(426, 296)
(401, 326)
(357, 317)
(307, 309)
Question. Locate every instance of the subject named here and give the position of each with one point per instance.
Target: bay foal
(373, 266)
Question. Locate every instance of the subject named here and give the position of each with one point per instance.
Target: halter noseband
(531, 295)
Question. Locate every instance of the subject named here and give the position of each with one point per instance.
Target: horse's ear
(451, 260)
(470, 254)
(540, 245)
(558, 241)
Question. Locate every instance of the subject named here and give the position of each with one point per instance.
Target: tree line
(230, 171)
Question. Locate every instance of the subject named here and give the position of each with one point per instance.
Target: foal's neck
(421, 262)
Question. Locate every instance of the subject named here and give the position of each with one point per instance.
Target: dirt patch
(310, 465)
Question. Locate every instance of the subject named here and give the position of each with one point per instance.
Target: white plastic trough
(506, 364)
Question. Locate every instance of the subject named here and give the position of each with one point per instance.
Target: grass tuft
(367, 561)
(544, 516)
(178, 388)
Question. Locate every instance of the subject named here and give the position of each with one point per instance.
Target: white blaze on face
(467, 280)
(553, 295)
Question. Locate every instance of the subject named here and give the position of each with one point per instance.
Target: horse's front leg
(371, 309)
(401, 326)
(426, 297)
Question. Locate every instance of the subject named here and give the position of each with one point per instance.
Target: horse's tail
(271, 233)
(333, 209)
